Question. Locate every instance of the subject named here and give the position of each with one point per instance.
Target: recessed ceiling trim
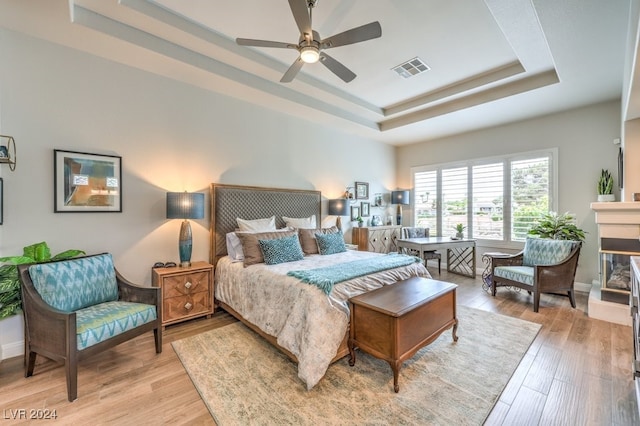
(163, 47)
(160, 13)
(491, 76)
(531, 82)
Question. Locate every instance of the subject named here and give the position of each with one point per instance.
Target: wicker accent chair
(78, 307)
(544, 266)
(411, 232)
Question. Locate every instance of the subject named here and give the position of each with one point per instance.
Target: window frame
(506, 242)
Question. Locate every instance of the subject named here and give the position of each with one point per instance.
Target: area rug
(244, 380)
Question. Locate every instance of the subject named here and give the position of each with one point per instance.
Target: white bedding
(305, 321)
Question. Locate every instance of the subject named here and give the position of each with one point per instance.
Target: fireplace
(618, 239)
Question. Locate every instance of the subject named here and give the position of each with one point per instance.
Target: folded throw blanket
(327, 277)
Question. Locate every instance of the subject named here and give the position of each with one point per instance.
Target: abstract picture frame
(362, 191)
(87, 183)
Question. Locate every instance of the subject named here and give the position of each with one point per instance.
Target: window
(496, 199)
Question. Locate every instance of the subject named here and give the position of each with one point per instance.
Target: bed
(306, 323)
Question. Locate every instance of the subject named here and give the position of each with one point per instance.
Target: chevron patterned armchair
(78, 307)
(544, 266)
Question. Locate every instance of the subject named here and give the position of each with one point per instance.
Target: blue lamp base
(185, 244)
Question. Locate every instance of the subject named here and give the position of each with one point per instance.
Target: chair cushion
(431, 255)
(97, 323)
(521, 274)
(76, 283)
(542, 251)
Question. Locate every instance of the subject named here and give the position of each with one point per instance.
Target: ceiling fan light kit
(311, 47)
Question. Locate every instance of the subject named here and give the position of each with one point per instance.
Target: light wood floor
(577, 372)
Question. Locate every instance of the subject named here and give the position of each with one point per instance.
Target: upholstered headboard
(229, 202)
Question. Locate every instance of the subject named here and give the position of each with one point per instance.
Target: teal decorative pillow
(281, 250)
(542, 251)
(330, 243)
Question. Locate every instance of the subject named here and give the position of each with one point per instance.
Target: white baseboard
(12, 349)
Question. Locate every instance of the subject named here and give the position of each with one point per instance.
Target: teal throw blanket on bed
(325, 278)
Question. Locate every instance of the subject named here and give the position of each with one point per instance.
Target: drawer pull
(188, 306)
(188, 285)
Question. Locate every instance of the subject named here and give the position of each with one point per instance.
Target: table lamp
(339, 207)
(185, 205)
(401, 198)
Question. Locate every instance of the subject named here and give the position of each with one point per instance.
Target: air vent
(412, 67)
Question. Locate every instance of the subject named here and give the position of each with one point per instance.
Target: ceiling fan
(311, 47)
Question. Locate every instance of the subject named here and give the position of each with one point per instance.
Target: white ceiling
(492, 61)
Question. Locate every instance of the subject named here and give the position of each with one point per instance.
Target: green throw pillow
(281, 250)
(330, 243)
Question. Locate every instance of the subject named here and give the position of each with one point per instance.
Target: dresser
(187, 292)
(379, 239)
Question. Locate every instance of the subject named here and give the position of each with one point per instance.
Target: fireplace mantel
(623, 213)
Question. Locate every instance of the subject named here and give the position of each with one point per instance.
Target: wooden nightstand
(186, 292)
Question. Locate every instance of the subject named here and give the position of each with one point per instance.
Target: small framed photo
(355, 212)
(362, 191)
(377, 200)
(86, 182)
(364, 208)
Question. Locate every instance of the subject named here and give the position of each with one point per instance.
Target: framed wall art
(362, 191)
(364, 209)
(355, 213)
(86, 182)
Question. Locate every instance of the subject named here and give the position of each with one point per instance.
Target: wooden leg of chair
(30, 363)
(72, 380)
(572, 299)
(439, 261)
(157, 334)
(536, 301)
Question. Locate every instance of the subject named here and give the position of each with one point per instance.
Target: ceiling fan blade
(264, 43)
(301, 15)
(292, 71)
(337, 68)
(354, 35)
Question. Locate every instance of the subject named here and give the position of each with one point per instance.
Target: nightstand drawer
(180, 285)
(179, 308)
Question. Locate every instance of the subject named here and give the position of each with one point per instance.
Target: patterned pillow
(542, 251)
(282, 250)
(251, 246)
(330, 243)
(308, 238)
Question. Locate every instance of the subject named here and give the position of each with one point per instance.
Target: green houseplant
(557, 227)
(459, 230)
(10, 302)
(360, 221)
(605, 186)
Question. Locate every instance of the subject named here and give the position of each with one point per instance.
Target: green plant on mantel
(605, 183)
(557, 227)
(10, 301)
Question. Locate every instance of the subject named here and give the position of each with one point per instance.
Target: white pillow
(302, 222)
(257, 225)
(234, 247)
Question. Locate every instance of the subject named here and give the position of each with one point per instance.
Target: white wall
(171, 136)
(584, 138)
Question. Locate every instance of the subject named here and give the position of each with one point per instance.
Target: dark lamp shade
(400, 197)
(185, 205)
(339, 207)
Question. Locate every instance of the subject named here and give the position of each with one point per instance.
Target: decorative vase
(606, 197)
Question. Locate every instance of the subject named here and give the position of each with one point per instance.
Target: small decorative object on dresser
(187, 292)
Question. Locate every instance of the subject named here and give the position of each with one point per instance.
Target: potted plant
(605, 186)
(10, 301)
(558, 227)
(460, 230)
(360, 221)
